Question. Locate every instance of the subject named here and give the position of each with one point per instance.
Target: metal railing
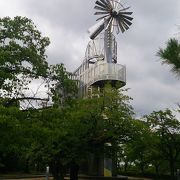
(101, 71)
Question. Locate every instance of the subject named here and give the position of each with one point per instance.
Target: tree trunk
(58, 177)
(74, 168)
(114, 164)
(172, 168)
(157, 170)
(142, 168)
(57, 170)
(26, 166)
(125, 166)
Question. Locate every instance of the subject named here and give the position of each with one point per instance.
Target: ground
(43, 178)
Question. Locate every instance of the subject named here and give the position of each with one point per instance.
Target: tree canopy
(171, 55)
(22, 52)
(167, 129)
(68, 131)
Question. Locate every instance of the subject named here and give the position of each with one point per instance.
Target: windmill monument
(100, 62)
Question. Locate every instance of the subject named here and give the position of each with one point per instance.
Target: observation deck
(95, 71)
(98, 74)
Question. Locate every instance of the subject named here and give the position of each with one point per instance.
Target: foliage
(118, 113)
(138, 150)
(171, 55)
(167, 128)
(59, 137)
(11, 133)
(154, 145)
(64, 135)
(22, 53)
(62, 89)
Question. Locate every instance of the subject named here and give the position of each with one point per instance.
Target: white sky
(66, 23)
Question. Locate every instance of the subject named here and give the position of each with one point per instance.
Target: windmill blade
(125, 25)
(102, 17)
(104, 2)
(113, 4)
(124, 9)
(100, 8)
(121, 26)
(127, 22)
(117, 3)
(107, 3)
(126, 17)
(101, 5)
(99, 13)
(128, 13)
(108, 23)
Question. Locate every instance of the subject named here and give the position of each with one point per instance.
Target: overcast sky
(65, 22)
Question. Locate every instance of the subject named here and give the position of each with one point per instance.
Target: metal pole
(47, 173)
(108, 44)
(178, 174)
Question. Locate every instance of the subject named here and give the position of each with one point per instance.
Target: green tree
(167, 128)
(12, 138)
(63, 90)
(22, 58)
(61, 138)
(171, 55)
(72, 131)
(138, 150)
(22, 54)
(118, 114)
(50, 131)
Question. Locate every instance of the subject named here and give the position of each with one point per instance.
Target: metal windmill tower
(100, 62)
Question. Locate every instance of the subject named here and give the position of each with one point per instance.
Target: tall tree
(53, 130)
(68, 133)
(12, 142)
(167, 128)
(61, 88)
(22, 53)
(138, 150)
(171, 55)
(117, 113)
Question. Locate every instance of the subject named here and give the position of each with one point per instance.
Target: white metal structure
(95, 71)
(100, 63)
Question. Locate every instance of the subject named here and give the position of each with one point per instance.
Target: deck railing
(101, 71)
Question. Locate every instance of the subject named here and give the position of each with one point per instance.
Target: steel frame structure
(97, 69)
(100, 63)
